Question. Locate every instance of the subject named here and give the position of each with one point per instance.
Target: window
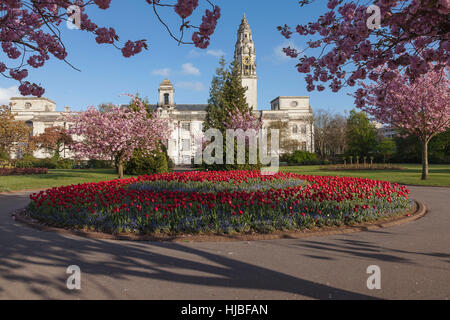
(27, 105)
(304, 146)
(185, 145)
(303, 129)
(295, 129)
(166, 99)
(186, 127)
(30, 125)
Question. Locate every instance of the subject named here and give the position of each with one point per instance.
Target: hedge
(22, 171)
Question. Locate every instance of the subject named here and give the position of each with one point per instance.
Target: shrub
(141, 163)
(49, 163)
(303, 158)
(26, 162)
(5, 159)
(368, 166)
(22, 171)
(4, 155)
(65, 164)
(170, 164)
(99, 164)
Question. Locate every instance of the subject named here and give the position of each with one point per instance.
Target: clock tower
(245, 56)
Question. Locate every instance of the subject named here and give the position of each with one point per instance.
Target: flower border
(418, 211)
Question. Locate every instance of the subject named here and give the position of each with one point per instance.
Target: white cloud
(162, 72)
(188, 68)
(278, 56)
(196, 53)
(216, 53)
(8, 93)
(196, 86)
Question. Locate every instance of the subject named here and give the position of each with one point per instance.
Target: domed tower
(245, 56)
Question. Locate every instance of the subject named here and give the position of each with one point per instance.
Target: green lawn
(411, 174)
(55, 178)
(439, 176)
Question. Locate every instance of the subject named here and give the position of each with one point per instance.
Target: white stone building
(187, 120)
(39, 114)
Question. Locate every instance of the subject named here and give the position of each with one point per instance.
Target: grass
(439, 176)
(410, 174)
(55, 178)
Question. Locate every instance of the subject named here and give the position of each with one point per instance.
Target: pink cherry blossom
(30, 33)
(420, 107)
(117, 132)
(413, 35)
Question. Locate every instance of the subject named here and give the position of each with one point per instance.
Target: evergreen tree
(361, 135)
(233, 98)
(386, 148)
(227, 96)
(213, 116)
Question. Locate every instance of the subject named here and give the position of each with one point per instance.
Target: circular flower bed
(218, 203)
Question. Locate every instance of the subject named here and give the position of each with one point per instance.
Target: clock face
(246, 60)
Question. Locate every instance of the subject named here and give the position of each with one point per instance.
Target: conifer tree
(227, 97)
(213, 117)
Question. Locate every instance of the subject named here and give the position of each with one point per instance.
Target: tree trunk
(120, 169)
(424, 160)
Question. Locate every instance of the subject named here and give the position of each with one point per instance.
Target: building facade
(187, 120)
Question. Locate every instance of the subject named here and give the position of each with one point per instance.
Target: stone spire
(245, 53)
(245, 57)
(244, 25)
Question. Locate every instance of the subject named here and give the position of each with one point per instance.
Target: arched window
(295, 129)
(166, 99)
(30, 125)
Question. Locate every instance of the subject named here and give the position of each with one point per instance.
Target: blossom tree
(54, 140)
(116, 133)
(419, 107)
(245, 120)
(30, 32)
(352, 39)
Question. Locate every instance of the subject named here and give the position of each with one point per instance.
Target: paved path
(414, 261)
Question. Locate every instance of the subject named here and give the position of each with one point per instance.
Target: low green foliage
(359, 167)
(50, 163)
(410, 174)
(141, 163)
(302, 158)
(99, 164)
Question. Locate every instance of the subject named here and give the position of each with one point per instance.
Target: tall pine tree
(213, 117)
(227, 96)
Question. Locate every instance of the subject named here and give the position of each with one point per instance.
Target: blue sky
(105, 73)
